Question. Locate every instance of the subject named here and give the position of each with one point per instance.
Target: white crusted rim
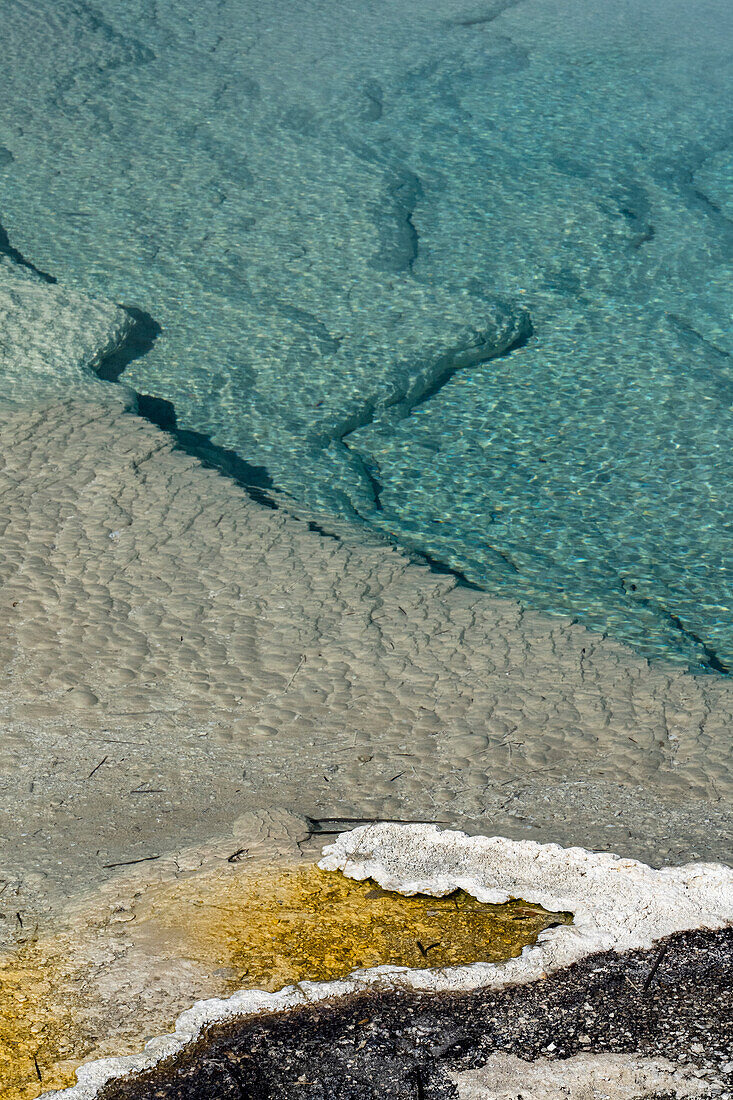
(618, 904)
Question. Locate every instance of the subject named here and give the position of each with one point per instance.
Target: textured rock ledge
(619, 905)
(53, 339)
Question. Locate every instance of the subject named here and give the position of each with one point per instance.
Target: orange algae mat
(247, 930)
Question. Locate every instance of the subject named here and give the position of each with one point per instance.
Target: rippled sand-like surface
(175, 653)
(177, 657)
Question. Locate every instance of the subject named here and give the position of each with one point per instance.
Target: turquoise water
(460, 270)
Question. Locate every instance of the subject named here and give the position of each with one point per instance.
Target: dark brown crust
(675, 1001)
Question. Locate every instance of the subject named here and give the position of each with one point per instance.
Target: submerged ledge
(619, 905)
